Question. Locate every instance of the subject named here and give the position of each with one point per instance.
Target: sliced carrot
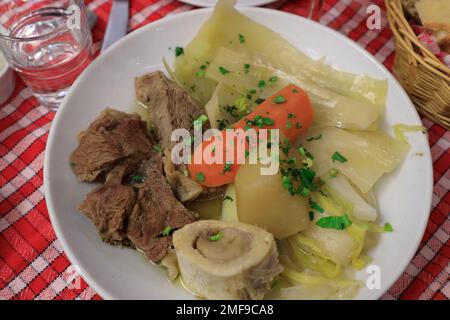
(288, 110)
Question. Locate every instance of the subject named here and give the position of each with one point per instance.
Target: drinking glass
(47, 42)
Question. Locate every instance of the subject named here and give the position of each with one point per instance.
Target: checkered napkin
(33, 264)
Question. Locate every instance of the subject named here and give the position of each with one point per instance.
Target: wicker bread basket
(424, 77)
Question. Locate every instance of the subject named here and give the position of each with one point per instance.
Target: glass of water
(47, 42)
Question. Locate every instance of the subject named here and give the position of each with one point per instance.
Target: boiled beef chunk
(170, 107)
(155, 210)
(109, 207)
(136, 203)
(112, 138)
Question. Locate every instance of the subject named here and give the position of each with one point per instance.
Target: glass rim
(6, 37)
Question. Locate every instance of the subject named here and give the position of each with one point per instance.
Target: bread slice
(435, 16)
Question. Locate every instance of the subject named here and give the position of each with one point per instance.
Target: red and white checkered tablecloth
(33, 264)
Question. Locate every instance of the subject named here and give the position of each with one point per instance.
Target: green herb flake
(287, 184)
(226, 168)
(259, 101)
(311, 215)
(288, 124)
(167, 231)
(216, 237)
(252, 91)
(315, 138)
(223, 71)
(241, 38)
(295, 91)
(286, 146)
(298, 125)
(302, 151)
(137, 178)
(315, 206)
(268, 121)
(200, 73)
(157, 149)
(388, 227)
(338, 157)
(246, 68)
(279, 100)
(334, 222)
(246, 153)
(228, 198)
(304, 192)
(333, 172)
(179, 51)
(200, 177)
(200, 120)
(273, 79)
(261, 84)
(223, 124)
(291, 115)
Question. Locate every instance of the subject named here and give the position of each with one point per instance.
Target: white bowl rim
(56, 226)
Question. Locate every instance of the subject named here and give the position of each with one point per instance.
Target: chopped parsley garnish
(228, 198)
(261, 84)
(333, 172)
(179, 51)
(246, 68)
(305, 152)
(200, 177)
(252, 91)
(298, 125)
(295, 91)
(279, 99)
(137, 178)
(260, 121)
(226, 168)
(307, 178)
(259, 101)
(314, 138)
(291, 115)
(167, 231)
(223, 71)
(200, 120)
(246, 153)
(200, 73)
(311, 215)
(334, 222)
(216, 237)
(287, 184)
(193, 87)
(223, 124)
(288, 124)
(388, 227)
(285, 146)
(241, 38)
(157, 149)
(315, 206)
(232, 110)
(338, 157)
(273, 79)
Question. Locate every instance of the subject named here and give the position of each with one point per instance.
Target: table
(32, 262)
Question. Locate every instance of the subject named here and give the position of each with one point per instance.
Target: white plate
(404, 196)
(242, 3)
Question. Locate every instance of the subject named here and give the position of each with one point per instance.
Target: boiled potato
(261, 200)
